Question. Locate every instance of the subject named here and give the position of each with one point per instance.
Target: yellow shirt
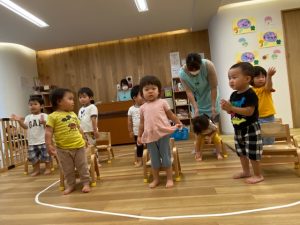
(265, 102)
(66, 130)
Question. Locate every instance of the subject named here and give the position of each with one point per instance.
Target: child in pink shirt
(155, 128)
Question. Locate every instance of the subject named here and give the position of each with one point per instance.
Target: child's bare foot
(86, 188)
(241, 175)
(169, 184)
(138, 164)
(154, 184)
(254, 179)
(198, 157)
(35, 173)
(219, 156)
(47, 172)
(69, 190)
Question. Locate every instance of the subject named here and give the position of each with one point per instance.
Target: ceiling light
(22, 12)
(141, 5)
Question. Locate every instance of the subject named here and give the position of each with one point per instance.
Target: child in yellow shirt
(206, 130)
(263, 87)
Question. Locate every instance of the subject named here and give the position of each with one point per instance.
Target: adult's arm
(191, 97)
(213, 82)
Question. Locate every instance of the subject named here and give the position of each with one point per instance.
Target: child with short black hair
(263, 87)
(88, 114)
(243, 107)
(134, 122)
(35, 125)
(155, 128)
(206, 130)
(69, 146)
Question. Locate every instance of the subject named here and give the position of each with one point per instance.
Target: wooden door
(291, 23)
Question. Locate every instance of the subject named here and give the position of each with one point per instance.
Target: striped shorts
(248, 142)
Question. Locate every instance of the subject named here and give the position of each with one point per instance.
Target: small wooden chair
(103, 143)
(210, 146)
(175, 163)
(285, 144)
(26, 164)
(93, 167)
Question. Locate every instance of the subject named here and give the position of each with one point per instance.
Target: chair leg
(62, 181)
(112, 152)
(92, 171)
(176, 168)
(26, 167)
(97, 167)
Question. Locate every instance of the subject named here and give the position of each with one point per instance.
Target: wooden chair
(210, 146)
(285, 144)
(175, 163)
(93, 167)
(103, 143)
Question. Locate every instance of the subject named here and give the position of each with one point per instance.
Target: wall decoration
(243, 41)
(270, 38)
(248, 56)
(268, 20)
(243, 25)
(275, 54)
(265, 57)
(175, 63)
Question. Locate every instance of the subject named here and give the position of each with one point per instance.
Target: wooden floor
(206, 188)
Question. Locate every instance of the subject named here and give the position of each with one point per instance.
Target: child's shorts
(38, 153)
(248, 142)
(216, 139)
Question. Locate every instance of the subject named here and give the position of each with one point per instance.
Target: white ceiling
(76, 22)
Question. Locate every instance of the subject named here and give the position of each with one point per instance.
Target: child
(35, 124)
(205, 129)
(63, 124)
(155, 128)
(124, 93)
(134, 122)
(88, 115)
(243, 107)
(263, 87)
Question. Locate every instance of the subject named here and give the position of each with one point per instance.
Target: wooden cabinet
(44, 92)
(113, 118)
(182, 107)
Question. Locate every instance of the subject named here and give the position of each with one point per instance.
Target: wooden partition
(101, 66)
(13, 144)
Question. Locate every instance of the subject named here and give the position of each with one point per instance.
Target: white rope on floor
(159, 218)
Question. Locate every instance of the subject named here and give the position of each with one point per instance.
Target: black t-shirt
(242, 100)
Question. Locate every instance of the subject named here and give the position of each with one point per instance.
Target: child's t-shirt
(156, 122)
(242, 100)
(85, 114)
(265, 105)
(36, 130)
(134, 112)
(65, 129)
(211, 128)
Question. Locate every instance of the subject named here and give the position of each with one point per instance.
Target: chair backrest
(104, 137)
(277, 130)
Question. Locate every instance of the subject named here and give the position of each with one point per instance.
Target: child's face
(237, 80)
(35, 107)
(150, 92)
(84, 99)
(67, 102)
(260, 80)
(138, 100)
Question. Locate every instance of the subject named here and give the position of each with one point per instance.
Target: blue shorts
(38, 153)
(160, 153)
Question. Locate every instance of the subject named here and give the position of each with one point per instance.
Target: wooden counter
(113, 118)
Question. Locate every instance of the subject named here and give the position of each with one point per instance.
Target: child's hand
(226, 105)
(51, 149)
(15, 117)
(271, 71)
(131, 134)
(179, 126)
(139, 141)
(42, 120)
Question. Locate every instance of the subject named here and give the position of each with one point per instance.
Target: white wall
(17, 69)
(224, 47)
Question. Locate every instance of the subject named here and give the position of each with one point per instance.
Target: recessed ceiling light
(141, 5)
(24, 13)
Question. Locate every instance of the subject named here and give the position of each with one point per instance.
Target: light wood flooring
(206, 188)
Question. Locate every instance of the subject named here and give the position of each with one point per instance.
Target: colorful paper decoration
(243, 42)
(268, 20)
(270, 38)
(243, 25)
(248, 56)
